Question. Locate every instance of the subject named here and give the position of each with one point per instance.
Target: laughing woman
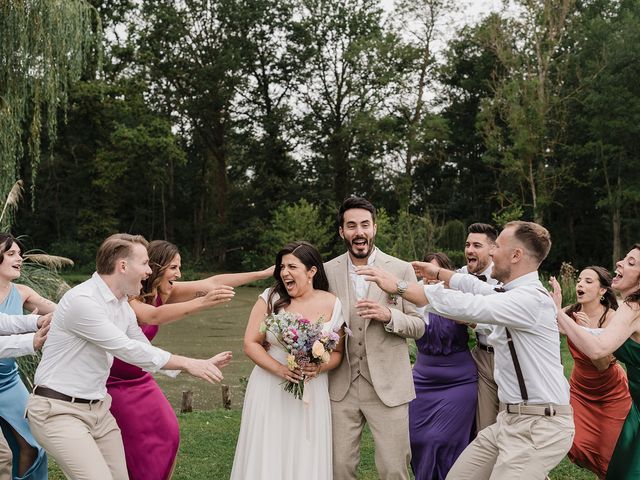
(149, 426)
(599, 388)
(29, 459)
(621, 337)
(282, 437)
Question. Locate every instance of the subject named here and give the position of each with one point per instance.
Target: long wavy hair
(608, 299)
(635, 296)
(310, 257)
(161, 254)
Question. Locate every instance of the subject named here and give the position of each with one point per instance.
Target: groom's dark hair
(355, 202)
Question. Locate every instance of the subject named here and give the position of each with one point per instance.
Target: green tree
(524, 120)
(349, 73)
(190, 53)
(606, 134)
(291, 222)
(45, 46)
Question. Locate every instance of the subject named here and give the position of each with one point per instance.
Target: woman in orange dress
(599, 388)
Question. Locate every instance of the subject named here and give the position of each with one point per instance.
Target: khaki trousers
(83, 438)
(389, 427)
(6, 459)
(516, 447)
(488, 404)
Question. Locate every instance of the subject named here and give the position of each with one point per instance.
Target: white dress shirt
(482, 330)
(530, 314)
(359, 284)
(17, 345)
(90, 326)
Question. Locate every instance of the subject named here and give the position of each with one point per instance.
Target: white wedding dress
(281, 437)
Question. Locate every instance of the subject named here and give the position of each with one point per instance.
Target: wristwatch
(401, 287)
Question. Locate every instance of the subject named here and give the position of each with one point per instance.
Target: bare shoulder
(327, 298)
(25, 291)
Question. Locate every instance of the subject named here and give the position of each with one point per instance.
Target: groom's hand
(373, 311)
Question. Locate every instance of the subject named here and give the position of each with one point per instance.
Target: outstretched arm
(389, 283)
(150, 315)
(624, 323)
(184, 291)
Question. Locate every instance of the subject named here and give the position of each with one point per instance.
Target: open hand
(41, 334)
(385, 280)
(222, 359)
(218, 295)
(556, 292)
(205, 369)
(426, 270)
(583, 320)
(43, 319)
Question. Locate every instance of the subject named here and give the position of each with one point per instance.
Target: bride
(280, 436)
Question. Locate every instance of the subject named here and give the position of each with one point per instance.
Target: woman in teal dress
(621, 337)
(29, 458)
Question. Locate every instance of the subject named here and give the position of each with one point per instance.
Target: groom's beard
(359, 253)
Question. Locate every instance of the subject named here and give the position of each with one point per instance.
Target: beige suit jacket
(387, 351)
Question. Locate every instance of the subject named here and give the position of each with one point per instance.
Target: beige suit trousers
(6, 459)
(488, 403)
(516, 447)
(389, 427)
(84, 439)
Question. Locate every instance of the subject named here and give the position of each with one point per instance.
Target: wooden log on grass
(187, 402)
(226, 397)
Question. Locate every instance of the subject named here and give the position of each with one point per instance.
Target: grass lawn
(208, 440)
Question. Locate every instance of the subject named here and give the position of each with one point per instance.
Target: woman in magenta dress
(150, 431)
(442, 416)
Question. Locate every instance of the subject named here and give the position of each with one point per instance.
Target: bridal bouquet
(303, 340)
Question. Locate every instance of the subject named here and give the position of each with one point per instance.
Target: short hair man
(481, 238)
(534, 429)
(373, 384)
(69, 409)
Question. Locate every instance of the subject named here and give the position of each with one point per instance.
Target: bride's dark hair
(310, 257)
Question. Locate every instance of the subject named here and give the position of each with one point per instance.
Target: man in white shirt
(69, 409)
(534, 429)
(477, 249)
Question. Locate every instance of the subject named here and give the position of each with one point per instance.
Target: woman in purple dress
(442, 416)
(150, 431)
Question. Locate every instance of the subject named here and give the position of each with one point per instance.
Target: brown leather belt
(50, 393)
(486, 348)
(545, 409)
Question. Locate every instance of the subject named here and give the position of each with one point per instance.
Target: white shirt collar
(370, 259)
(527, 278)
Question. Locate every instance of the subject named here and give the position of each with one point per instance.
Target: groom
(373, 384)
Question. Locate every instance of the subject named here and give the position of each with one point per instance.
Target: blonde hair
(535, 238)
(114, 248)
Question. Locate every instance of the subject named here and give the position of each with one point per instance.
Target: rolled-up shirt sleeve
(12, 324)
(509, 309)
(87, 319)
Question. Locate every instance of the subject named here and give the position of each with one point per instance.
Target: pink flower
(304, 321)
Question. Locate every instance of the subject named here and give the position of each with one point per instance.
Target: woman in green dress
(621, 337)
